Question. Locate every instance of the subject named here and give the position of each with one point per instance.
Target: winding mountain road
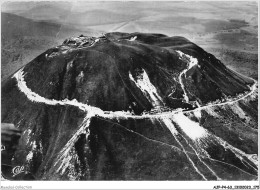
(34, 97)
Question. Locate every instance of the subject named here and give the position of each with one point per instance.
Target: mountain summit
(132, 107)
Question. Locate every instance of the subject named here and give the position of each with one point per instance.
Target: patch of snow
(197, 103)
(211, 111)
(148, 89)
(133, 38)
(29, 156)
(197, 114)
(185, 96)
(69, 65)
(96, 40)
(33, 145)
(28, 131)
(189, 127)
(33, 148)
(191, 61)
(240, 112)
(79, 78)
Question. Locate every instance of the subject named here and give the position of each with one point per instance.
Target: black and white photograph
(129, 91)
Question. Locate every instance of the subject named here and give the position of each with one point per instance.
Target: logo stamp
(17, 170)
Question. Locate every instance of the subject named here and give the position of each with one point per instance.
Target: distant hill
(47, 12)
(98, 17)
(86, 18)
(23, 39)
(13, 25)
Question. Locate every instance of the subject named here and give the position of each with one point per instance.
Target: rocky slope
(131, 107)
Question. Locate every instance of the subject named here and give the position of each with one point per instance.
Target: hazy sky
(81, 6)
(172, 17)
